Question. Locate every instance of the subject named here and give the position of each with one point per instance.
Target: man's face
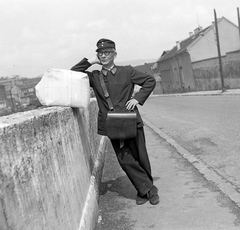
(106, 56)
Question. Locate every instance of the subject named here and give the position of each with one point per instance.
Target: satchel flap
(124, 115)
(121, 125)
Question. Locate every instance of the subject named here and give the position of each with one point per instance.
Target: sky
(36, 35)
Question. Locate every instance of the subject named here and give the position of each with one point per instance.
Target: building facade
(193, 65)
(17, 94)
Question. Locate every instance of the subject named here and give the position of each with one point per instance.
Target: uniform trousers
(134, 160)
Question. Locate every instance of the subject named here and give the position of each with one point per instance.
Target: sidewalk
(205, 93)
(187, 199)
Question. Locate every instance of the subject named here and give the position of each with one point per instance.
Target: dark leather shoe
(153, 196)
(140, 200)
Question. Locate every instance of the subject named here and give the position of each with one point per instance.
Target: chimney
(197, 30)
(190, 34)
(178, 45)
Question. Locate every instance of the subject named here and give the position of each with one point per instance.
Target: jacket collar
(113, 70)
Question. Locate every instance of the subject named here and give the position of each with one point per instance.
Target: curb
(202, 93)
(208, 172)
(90, 210)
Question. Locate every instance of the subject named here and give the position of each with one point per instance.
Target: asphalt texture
(188, 200)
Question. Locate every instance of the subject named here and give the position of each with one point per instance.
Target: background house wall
(3, 97)
(185, 72)
(176, 74)
(166, 76)
(205, 47)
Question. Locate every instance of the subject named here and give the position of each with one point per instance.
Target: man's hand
(131, 104)
(94, 60)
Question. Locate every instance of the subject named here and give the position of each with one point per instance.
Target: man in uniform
(120, 80)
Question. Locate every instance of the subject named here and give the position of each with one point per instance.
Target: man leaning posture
(120, 80)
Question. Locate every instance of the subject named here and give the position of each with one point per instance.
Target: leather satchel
(120, 125)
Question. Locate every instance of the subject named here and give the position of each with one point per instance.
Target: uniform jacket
(120, 87)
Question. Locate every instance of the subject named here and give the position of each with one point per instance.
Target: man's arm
(82, 66)
(147, 83)
(85, 63)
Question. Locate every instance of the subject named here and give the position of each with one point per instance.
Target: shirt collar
(113, 70)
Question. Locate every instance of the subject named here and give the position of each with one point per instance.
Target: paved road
(188, 200)
(207, 126)
(193, 147)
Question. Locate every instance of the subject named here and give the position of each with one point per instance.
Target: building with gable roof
(193, 65)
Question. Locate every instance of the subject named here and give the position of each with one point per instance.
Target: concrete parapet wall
(50, 166)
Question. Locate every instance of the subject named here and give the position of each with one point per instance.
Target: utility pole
(219, 52)
(238, 22)
(12, 100)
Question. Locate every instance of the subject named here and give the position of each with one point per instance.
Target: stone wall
(50, 167)
(206, 73)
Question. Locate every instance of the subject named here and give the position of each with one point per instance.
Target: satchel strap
(107, 97)
(106, 94)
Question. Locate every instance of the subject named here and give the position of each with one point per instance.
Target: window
(2, 101)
